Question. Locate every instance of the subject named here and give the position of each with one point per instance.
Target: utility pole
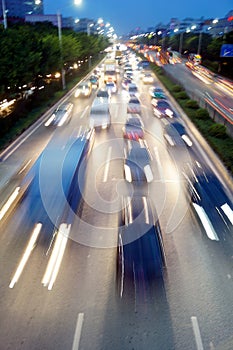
(61, 50)
(4, 14)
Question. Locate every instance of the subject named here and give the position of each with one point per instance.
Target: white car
(84, 89)
(111, 87)
(100, 117)
(147, 78)
(61, 115)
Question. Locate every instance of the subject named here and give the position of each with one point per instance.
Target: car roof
(102, 93)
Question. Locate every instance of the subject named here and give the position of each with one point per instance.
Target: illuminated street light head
(77, 2)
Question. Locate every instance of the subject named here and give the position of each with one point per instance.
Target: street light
(59, 26)
(4, 14)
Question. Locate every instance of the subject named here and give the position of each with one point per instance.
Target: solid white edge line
(197, 333)
(78, 330)
(106, 170)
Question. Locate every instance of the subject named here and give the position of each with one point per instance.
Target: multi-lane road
(76, 305)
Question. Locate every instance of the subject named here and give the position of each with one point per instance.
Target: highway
(200, 83)
(77, 305)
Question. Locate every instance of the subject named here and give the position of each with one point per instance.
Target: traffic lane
(198, 272)
(203, 88)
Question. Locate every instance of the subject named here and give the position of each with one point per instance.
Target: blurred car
(61, 115)
(100, 117)
(137, 161)
(98, 71)
(126, 82)
(141, 253)
(111, 87)
(84, 89)
(147, 78)
(134, 128)
(157, 92)
(103, 96)
(132, 90)
(94, 79)
(175, 134)
(134, 105)
(211, 203)
(162, 108)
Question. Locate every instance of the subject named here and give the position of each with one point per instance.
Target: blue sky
(125, 15)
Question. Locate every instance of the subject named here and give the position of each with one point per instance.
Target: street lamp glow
(193, 27)
(176, 30)
(100, 20)
(215, 21)
(77, 2)
(107, 25)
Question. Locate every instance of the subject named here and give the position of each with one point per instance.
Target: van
(100, 117)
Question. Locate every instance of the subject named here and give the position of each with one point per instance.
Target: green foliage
(218, 130)
(191, 104)
(202, 113)
(182, 95)
(177, 88)
(28, 51)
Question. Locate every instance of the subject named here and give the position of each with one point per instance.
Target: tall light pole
(4, 14)
(200, 39)
(59, 27)
(61, 50)
(181, 42)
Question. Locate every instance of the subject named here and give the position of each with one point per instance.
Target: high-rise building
(21, 8)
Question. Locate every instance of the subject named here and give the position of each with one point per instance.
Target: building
(21, 8)
(85, 25)
(67, 22)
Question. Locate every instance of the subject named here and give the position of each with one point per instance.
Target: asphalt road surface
(77, 305)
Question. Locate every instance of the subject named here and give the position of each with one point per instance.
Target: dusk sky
(125, 15)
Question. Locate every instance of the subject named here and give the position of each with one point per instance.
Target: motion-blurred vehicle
(132, 90)
(111, 87)
(157, 92)
(134, 105)
(211, 203)
(137, 162)
(94, 80)
(125, 82)
(147, 78)
(103, 96)
(61, 115)
(176, 135)
(100, 117)
(134, 128)
(84, 89)
(141, 254)
(162, 108)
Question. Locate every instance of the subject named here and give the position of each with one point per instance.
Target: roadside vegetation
(31, 57)
(210, 49)
(214, 133)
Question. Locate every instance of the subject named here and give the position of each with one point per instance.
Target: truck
(110, 73)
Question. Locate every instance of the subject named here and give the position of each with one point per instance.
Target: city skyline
(127, 16)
